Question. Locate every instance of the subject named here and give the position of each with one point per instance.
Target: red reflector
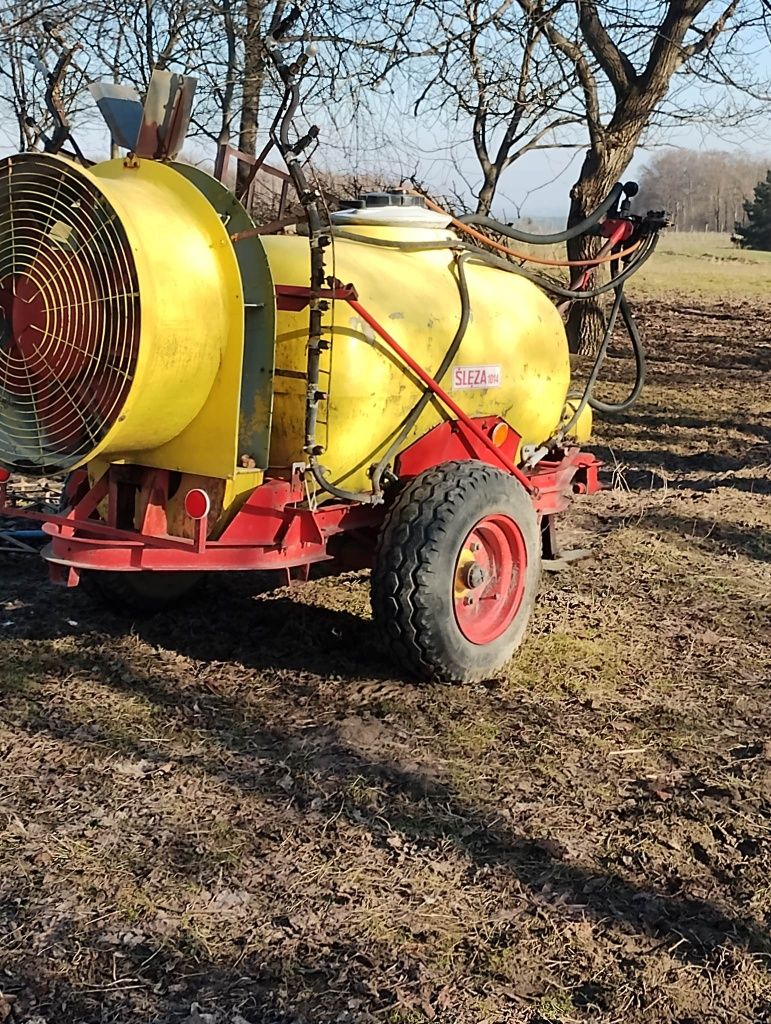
(4, 475)
(197, 503)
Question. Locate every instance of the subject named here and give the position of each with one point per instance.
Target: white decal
(466, 377)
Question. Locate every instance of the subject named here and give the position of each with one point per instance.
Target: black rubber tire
(417, 553)
(142, 593)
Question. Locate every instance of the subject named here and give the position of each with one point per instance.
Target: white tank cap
(398, 208)
(398, 216)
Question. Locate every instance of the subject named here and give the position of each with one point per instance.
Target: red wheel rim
(489, 579)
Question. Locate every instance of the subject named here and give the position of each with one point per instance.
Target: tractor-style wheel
(457, 572)
(139, 592)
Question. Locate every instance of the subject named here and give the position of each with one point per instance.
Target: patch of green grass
(562, 663)
(121, 718)
(556, 1007)
(472, 736)
(703, 264)
(698, 263)
(133, 904)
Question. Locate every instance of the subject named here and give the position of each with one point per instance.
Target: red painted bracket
(293, 298)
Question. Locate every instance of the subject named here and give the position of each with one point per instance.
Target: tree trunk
(487, 192)
(254, 75)
(600, 171)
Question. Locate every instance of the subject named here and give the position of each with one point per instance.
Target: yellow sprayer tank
(513, 360)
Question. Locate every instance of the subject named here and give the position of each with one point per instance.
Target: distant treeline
(703, 191)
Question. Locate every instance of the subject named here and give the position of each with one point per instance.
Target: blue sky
(536, 186)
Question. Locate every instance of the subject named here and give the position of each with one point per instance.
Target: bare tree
(253, 79)
(21, 83)
(702, 190)
(41, 84)
(130, 40)
(481, 63)
(626, 55)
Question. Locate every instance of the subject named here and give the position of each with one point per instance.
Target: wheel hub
(490, 579)
(475, 576)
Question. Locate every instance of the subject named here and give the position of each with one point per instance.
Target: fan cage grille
(69, 315)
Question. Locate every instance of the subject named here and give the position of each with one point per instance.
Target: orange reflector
(499, 434)
(197, 503)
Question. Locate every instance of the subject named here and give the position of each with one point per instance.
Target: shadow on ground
(425, 814)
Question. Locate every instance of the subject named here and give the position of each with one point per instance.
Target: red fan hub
(44, 343)
(23, 309)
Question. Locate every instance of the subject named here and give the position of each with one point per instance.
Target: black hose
(337, 492)
(417, 410)
(558, 236)
(640, 366)
(620, 305)
(397, 243)
(634, 264)
(599, 359)
(498, 261)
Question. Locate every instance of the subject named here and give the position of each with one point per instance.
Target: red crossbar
(296, 297)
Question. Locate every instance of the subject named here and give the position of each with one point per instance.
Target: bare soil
(234, 813)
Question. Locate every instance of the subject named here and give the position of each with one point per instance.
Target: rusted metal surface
(166, 116)
(227, 155)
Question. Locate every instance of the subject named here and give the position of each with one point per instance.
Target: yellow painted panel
(182, 410)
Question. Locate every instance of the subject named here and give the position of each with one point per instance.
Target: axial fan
(119, 296)
(69, 315)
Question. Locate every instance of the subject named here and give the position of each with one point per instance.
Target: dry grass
(235, 806)
(702, 265)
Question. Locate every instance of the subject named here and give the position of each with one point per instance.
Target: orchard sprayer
(386, 388)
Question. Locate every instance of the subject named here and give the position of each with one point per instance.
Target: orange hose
(521, 256)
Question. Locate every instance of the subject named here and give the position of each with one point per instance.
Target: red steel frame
(272, 530)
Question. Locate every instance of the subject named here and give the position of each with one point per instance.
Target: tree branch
(667, 52)
(614, 62)
(585, 74)
(711, 34)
